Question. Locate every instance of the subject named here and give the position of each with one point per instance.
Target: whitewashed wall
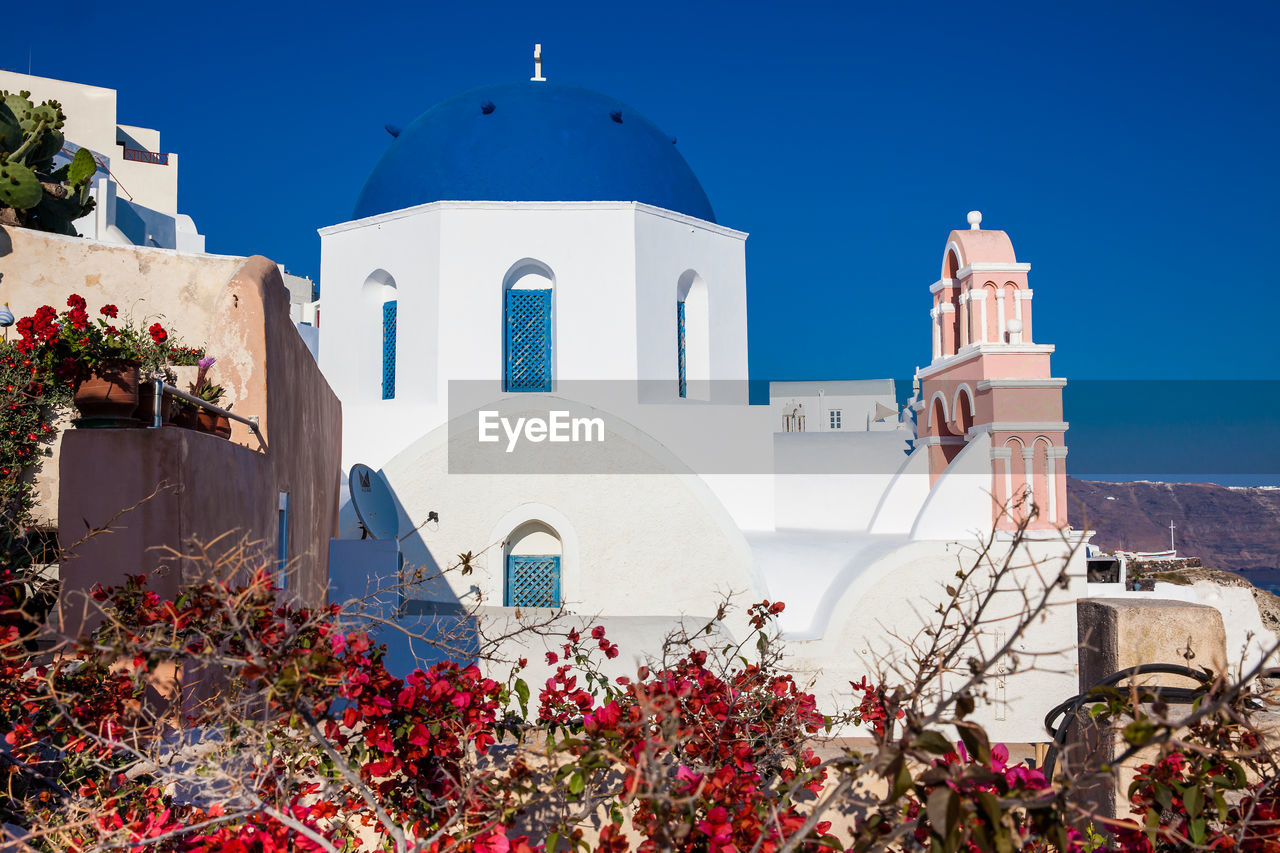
(614, 265)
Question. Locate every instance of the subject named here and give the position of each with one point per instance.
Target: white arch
(378, 278)
(492, 582)
(952, 248)
(946, 416)
(955, 403)
(529, 274)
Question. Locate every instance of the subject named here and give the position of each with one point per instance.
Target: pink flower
(495, 841)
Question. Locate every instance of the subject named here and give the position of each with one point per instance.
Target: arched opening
(1010, 310)
(1042, 466)
(693, 336)
(963, 409)
(991, 325)
(527, 326)
(938, 415)
(1015, 481)
(952, 265)
(533, 553)
(379, 307)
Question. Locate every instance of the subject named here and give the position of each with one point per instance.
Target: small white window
(835, 418)
(282, 543)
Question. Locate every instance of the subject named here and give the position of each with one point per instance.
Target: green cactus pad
(10, 129)
(19, 187)
(82, 168)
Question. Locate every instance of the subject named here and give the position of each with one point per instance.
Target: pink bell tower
(988, 376)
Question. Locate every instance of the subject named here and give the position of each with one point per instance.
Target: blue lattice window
(528, 340)
(388, 350)
(533, 580)
(684, 375)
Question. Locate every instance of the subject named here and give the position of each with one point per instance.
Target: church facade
(538, 332)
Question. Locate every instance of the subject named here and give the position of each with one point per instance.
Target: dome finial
(537, 65)
(975, 220)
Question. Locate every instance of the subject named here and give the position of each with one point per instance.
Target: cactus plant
(32, 193)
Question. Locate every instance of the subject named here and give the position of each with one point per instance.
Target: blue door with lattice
(388, 350)
(533, 580)
(684, 376)
(528, 340)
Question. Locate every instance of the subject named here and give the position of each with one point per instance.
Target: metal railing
(140, 155)
(157, 414)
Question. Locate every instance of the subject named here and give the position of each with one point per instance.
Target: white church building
(538, 332)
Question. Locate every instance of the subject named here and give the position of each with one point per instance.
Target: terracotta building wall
(210, 488)
(150, 494)
(269, 372)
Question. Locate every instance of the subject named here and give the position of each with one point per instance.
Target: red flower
(158, 334)
(76, 301)
(109, 311)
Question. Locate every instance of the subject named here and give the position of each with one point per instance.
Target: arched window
(533, 555)
(379, 298)
(527, 327)
(693, 336)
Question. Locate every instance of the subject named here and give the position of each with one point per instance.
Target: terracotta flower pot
(109, 395)
(147, 406)
(213, 423)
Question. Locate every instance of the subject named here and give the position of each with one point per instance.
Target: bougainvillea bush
(29, 402)
(229, 720)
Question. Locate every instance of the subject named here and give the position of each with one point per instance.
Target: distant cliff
(1233, 529)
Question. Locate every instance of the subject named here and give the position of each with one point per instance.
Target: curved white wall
(959, 505)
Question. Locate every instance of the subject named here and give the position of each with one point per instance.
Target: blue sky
(1128, 148)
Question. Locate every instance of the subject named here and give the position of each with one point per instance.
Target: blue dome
(532, 142)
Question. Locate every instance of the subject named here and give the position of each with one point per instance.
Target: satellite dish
(374, 505)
